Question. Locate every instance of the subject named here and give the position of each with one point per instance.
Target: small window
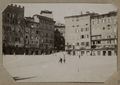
(8, 15)
(87, 36)
(77, 44)
(82, 36)
(86, 29)
(109, 53)
(26, 36)
(98, 42)
(82, 43)
(103, 28)
(108, 25)
(93, 42)
(104, 53)
(87, 43)
(37, 32)
(82, 52)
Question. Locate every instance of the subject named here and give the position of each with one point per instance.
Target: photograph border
(6, 79)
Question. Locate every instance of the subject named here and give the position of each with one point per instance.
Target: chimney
(47, 13)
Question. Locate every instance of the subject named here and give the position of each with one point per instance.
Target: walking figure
(64, 60)
(60, 60)
(79, 56)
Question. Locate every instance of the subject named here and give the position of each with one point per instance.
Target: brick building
(39, 35)
(13, 31)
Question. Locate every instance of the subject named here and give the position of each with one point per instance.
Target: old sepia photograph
(59, 42)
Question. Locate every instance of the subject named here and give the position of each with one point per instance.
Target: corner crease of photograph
(60, 42)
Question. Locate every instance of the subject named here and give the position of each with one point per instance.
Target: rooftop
(92, 14)
(81, 15)
(46, 11)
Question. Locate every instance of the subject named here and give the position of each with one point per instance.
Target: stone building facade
(39, 35)
(77, 34)
(13, 31)
(27, 35)
(104, 34)
(91, 34)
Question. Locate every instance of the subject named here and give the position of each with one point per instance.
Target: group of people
(62, 60)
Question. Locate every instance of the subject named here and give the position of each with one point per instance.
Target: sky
(61, 10)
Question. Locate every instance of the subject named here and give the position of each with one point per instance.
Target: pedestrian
(79, 56)
(64, 60)
(60, 60)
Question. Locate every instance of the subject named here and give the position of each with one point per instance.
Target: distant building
(59, 38)
(13, 32)
(31, 36)
(39, 35)
(77, 34)
(91, 34)
(61, 28)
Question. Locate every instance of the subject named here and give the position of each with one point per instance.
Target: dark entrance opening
(109, 53)
(104, 53)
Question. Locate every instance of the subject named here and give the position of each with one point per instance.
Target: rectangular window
(82, 43)
(36, 32)
(77, 44)
(82, 36)
(82, 52)
(93, 42)
(109, 53)
(87, 36)
(87, 43)
(99, 42)
(103, 28)
(81, 29)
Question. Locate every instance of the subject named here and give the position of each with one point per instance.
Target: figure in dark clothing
(60, 60)
(79, 56)
(64, 60)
